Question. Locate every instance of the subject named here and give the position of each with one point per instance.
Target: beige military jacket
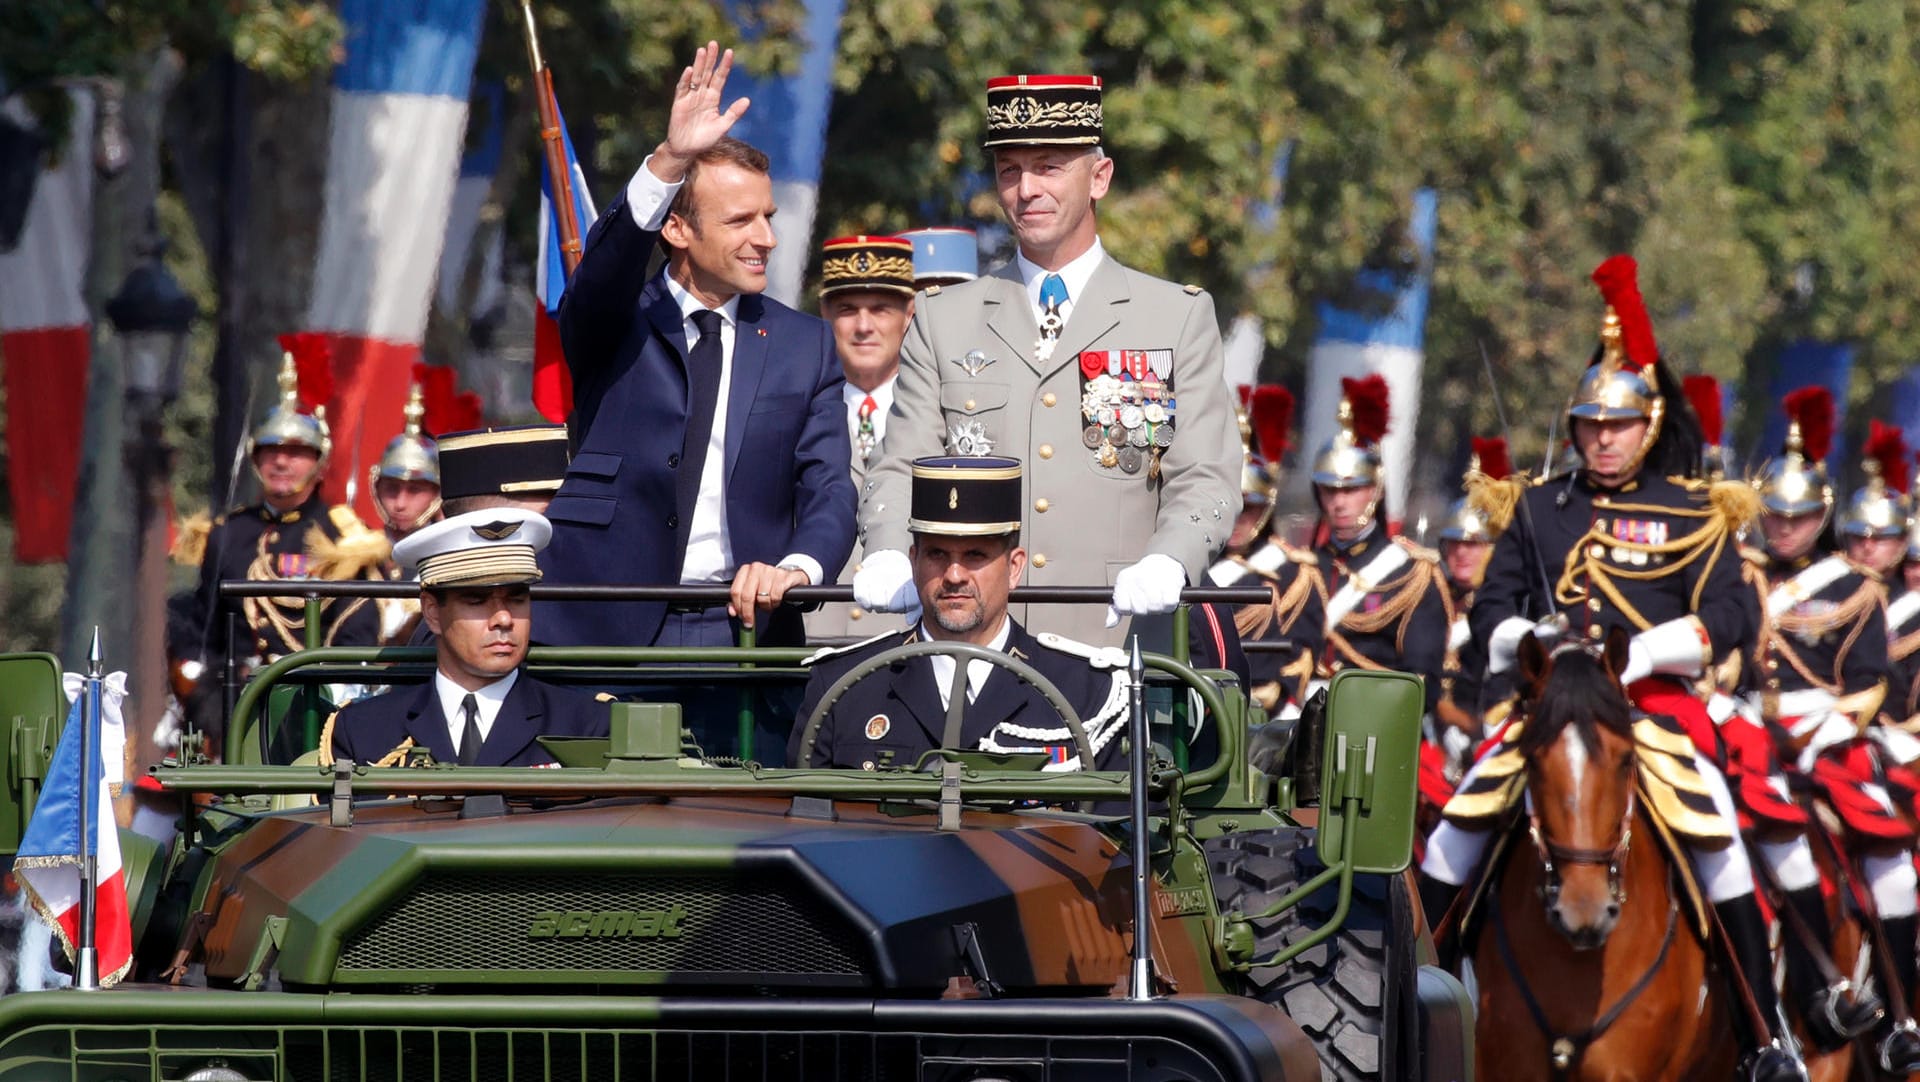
(969, 383)
(843, 622)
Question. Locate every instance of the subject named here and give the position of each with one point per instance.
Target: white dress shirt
(1075, 275)
(709, 555)
(977, 671)
(489, 700)
(882, 402)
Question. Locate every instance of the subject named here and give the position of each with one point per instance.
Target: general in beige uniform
(1105, 382)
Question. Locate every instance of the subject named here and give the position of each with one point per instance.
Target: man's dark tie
(470, 735)
(703, 390)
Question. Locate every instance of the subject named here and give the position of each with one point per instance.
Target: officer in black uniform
(1628, 541)
(966, 556)
(267, 541)
(1386, 605)
(1290, 628)
(1467, 535)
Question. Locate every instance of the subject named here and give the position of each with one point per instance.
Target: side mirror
(1370, 770)
(33, 709)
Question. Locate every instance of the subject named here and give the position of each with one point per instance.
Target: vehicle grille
(759, 931)
(423, 1054)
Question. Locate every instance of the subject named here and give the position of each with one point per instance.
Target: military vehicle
(651, 911)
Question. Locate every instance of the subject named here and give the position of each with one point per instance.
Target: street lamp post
(151, 317)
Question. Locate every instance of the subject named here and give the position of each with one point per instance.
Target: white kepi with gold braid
(491, 547)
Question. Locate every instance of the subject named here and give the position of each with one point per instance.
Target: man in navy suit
(712, 442)
(480, 708)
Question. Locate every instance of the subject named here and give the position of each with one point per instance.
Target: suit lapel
(427, 723)
(515, 726)
(1010, 316)
(1095, 313)
(664, 314)
(749, 364)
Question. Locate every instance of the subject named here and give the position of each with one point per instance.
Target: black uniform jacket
(367, 730)
(1290, 628)
(894, 716)
(1903, 656)
(1651, 551)
(1834, 640)
(259, 543)
(1401, 621)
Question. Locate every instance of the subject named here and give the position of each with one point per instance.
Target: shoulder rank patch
(1100, 657)
(1193, 290)
(826, 652)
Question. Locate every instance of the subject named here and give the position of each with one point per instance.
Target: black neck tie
(703, 391)
(470, 736)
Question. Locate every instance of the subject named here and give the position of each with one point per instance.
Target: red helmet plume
(1703, 394)
(1491, 453)
(1271, 409)
(1887, 445)
(1619, 280)
(1368, 398)
(1812, 409)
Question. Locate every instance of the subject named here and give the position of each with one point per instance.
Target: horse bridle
(1550, 852)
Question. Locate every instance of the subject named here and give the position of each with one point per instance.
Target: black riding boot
(1833, 1017)
(1772, 1058)
(1898, 1046)
(1435, 899)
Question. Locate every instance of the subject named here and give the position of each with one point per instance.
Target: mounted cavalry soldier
(966, 553)
(1877, 529)
(1105, 382)
(1466, 543)
(1817, 681)
(1386, 607)
(1620, 544)
(268, 541)
(1291, 626)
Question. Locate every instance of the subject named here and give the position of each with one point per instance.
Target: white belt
(1792, 704)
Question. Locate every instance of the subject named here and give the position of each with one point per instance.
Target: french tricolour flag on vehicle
(399, 118)
(552, 386)
(48, 864)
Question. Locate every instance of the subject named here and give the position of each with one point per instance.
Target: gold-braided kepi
(492, 547)
(1043, 110)
(866, 263)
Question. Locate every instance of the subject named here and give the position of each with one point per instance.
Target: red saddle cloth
(1847, 777)
(1744, 750)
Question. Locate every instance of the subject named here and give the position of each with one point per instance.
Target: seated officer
(480, 709)
(966, 556)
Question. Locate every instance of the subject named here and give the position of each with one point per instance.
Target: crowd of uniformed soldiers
(1780, 633)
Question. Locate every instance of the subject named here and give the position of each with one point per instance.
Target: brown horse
(1587, 964)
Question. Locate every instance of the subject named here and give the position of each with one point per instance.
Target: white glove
(1503, 649)
(1147, 588)
(884, 583)
(1639, 662)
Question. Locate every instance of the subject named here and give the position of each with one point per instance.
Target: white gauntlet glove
(1503, 649)
(884, 583)
(1147, 588)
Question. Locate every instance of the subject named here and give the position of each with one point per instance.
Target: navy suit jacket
(614, 519)
(368, 729)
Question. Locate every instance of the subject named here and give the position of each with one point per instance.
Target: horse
(1587, 962)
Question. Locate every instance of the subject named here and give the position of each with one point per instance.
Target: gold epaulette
(1735, 503)
(1690, 484)
(346, 520)
(1495, 497)
(1754, 556)
(1419, 551)
(1300, 555)
(190, 539)
(351, 557)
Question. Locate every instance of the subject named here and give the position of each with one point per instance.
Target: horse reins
(1564, 1049)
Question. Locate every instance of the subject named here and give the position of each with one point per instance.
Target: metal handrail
(717, 594)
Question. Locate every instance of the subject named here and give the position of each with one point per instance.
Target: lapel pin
(763, 332)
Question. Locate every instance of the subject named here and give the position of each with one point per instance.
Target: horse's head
(1578, 746)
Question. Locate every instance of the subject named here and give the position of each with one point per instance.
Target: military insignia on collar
(974, 363)
(497, 531)
(969, 440)
(878, 726)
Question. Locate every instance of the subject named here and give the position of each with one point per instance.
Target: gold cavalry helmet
(1880, 508)
(1266, 416)
(1620, 383)
(1351, 459)
(303, 368)
(1465, 522)
(1795, 483)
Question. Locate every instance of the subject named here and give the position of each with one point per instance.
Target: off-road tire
(1354, 994)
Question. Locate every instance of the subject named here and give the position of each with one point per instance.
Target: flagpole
(87, 960)
(551, 139)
